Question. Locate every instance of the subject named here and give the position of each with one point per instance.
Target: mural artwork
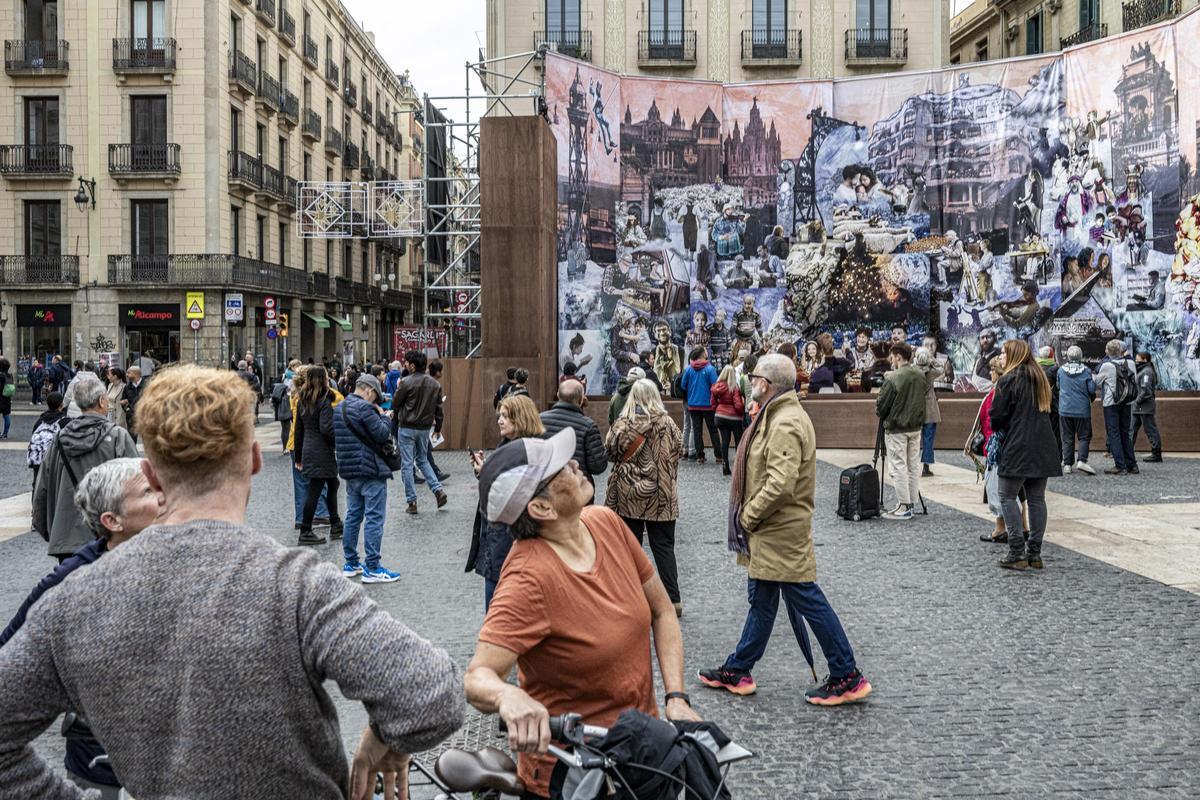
(1043, 198)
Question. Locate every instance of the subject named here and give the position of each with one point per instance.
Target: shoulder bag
(387, 451)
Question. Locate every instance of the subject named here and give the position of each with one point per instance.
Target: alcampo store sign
(149, 315)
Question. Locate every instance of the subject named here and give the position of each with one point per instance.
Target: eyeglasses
(761, 378)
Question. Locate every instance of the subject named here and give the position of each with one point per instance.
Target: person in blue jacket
(117, 503)
(1076, 391)
(698, 379)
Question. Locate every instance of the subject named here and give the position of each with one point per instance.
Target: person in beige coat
(770, 528)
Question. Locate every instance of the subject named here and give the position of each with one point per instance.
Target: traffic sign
(272, 333)
(195, 324)
(195, 305)
(269, 303)
(234, 307)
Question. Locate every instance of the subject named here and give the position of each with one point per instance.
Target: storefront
(344, 338)
(150, 333)
(44, 331)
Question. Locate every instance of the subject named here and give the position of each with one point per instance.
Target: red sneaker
(836, 691)
(737, 681)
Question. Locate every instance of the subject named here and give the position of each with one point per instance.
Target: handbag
(978, 443)
(387, 451)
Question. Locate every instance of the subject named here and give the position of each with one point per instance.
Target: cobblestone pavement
(1079, 681)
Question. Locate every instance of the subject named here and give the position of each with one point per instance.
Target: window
(41, 22)
(43, 228)
(235, 129)
(769, 20)
(41, 120)
(562, 24)
(666, 29)
(347, 262)
(235, 32)
(235, 230)
(873, 20)
(260, 141)
(307, 250)
(283, 148)
(283, 243)
(307, 24)
(981, 50)
(149, 23)
(329, 51)
(307, 93)
(148, 131)
(1089, 13)
(366, 264)
(1033, 35)
(149, 228)
(307, 169)
(283, 70)
(260, 54)
(260, 237)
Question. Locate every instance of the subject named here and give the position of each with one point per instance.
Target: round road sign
(194, 324)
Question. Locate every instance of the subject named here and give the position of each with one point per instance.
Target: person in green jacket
(621, 395)
(900, 407)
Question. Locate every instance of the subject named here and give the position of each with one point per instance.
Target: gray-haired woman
(925, 361)
(117, 503)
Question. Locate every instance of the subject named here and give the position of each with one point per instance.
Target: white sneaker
(900, 512)
(1084, 467)
(1066, 469)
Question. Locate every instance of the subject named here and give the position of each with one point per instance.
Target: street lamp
(86, 194)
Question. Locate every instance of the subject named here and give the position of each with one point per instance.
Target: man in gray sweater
(198, 652)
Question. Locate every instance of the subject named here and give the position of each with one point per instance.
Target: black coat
(589, 445)
(5, 402)
(316, 451)
(1029, 449)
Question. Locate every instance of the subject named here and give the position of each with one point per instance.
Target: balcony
(666, 48)
(245, 171)
(158, 160)
(272, 187)
(350, 93)
(368, 167)
(267, 97)
(291, 189)
(30, 57)
(243, 74)
(34, 270)
(289, 108)
(208, 270)
(310, 51)
(265, 9)
(576, 44)
(350, 156)
(36, 161)
(333, 75)
(870, 47)
(319, 284)
(333, 142)
(368, 110)
(310, 125)
(144, 56)
(1097, 30)
(771, 47)
(287, 27)
(1140, 13)
(381, 120)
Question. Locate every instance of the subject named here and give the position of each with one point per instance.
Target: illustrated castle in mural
(1148, 133)
(752, 159)
(675, 153)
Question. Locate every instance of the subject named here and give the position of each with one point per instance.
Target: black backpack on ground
(858, 493)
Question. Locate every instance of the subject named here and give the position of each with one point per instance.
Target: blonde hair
(644, 397)
(523, 415)
(194, 421)
(729, 375)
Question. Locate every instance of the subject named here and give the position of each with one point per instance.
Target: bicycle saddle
(489, 768)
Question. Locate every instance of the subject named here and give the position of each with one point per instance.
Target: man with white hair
(770, 528)
(84, 442)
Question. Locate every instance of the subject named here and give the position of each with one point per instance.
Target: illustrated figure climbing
(604, 132)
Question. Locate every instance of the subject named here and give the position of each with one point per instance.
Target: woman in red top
(731, 412)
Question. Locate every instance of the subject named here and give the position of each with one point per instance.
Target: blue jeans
(804, 601)
(414, 449)
(489, 591)
(1118, 423)
(7, 422)
(300, 494)
(928, 431)
(366, 504)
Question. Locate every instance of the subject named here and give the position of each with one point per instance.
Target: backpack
(10, 388)
(1125, 391)
(40, 442)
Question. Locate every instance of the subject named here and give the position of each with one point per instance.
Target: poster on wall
(431, 341)
(1035, 198)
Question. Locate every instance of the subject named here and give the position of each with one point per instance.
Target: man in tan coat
(771, 505)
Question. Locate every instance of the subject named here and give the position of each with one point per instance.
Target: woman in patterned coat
(644, 446)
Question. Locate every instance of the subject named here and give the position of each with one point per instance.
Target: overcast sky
(433, 40)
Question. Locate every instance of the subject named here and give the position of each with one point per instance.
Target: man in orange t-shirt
(574, 609)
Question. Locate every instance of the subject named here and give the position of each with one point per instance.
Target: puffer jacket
(1147, 382)
(85, 441)
(729, 400)
(353, 421)
(1076, 390)
(643, 486)
(315, 449)
(589, 446)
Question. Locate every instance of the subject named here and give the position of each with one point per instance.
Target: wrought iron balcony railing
(269, 91)
(160, 158)
(573, 43)
(333, 141)
(1140, 13)
(350, 156)
(208, 269)
(310, 51)
(310, 125)
(143, 55)
(272, 181)
(350, 93)
(245, 169)
(289, 107)
(35, 57)
(266, 11)
(287, 27)
(875, 45)
(332, 74)
(243, 71)
(771, 45)
(27, 270)
(1097, 30)
(666, 46)
(368, 110)
(36, 160)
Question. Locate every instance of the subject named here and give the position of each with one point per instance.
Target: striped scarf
(738, 543)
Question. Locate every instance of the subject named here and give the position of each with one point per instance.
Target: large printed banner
(1034, 198)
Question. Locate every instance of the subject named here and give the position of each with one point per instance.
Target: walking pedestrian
(254, 367)
(299, 483)
(44, 431)
(900, 407)
(272, 626)
(117, 410)
(568, 413)
(81, 444)
(698, 379)
(770, 528)
(517, 418)
(8, 388)
(1117, 380)
(436, 368)
(414, 406)
(36, 378)
(316, 454)
(730, 406)
(1020, 415)
(361, 434)
(1144, 407)
(932, 370)
(644, 446)
(1076, 391)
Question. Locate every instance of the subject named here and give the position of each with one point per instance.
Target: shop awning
(341, 322)
(320, 322)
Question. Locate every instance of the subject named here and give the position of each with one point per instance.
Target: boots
(307, 537)
(1155, 457)
(1016, 557)
(1033, 555)
(335, 528)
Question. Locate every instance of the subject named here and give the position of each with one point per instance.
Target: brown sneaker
(441, 499)
(412, 508)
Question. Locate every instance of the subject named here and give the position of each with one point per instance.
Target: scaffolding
(512, 85)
